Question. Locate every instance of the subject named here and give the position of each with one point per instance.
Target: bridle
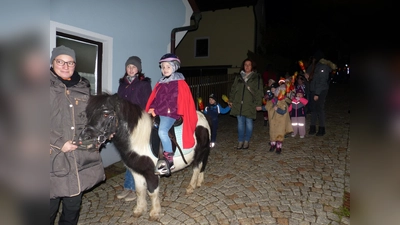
(102, 137)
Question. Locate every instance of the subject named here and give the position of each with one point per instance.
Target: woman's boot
(321, 131)
(313, 130)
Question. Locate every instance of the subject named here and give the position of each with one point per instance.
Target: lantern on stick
(281, 95)
(301, 64)
(200, 103)
(225, 98)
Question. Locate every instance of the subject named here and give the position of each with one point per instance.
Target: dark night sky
(303, 27)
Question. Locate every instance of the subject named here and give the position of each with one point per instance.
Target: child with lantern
(213, 109)
(279, 120)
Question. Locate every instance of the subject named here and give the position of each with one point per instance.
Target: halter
(101, 138)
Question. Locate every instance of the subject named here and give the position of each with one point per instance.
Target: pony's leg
(155, 211)
(200, 179)
(141, 191)
(194, 180)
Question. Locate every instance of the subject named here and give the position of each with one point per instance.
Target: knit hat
(62, 50)
(274, 85)
(300, 90)
(213, 97)
(136, 61)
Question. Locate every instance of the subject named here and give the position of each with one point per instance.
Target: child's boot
(272, 148)
(169, 156)
(278, 147)
(164, 166)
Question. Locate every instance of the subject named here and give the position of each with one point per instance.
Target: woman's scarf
(75, 78)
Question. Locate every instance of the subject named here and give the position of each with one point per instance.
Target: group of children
(286, 112)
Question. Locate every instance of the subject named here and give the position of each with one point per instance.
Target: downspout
(196, 16)
(255, 28)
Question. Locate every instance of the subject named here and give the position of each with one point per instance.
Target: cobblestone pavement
(303, 185)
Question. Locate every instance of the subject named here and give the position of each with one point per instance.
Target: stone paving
(304, 185)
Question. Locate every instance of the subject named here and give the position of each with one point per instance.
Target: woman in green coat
(245, 100)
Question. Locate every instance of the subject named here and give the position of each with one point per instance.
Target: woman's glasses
(60, 62)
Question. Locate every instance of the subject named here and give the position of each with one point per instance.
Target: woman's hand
(68, 147)
(230, 104)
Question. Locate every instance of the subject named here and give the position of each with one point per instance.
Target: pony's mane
(96, 102)
(126, 111)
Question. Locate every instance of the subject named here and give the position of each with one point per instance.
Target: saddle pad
(178, 135)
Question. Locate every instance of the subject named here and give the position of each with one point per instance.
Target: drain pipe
(196, 16)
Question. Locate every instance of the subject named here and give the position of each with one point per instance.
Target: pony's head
(102, 121)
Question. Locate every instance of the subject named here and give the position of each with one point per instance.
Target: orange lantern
(281, 94)
(201, 104)
(301, 64)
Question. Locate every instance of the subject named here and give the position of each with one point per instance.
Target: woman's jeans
(245, 128)
(165, 124)
(129, 183)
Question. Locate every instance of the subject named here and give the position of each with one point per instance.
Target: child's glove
(151, 111)
(269, 95)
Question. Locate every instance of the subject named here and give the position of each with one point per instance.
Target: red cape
(186, 109)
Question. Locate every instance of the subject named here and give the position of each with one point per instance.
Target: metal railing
(203, 86)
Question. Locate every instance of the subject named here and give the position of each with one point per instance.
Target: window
(202, 47)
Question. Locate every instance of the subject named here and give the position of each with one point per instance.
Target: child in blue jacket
(213, 109)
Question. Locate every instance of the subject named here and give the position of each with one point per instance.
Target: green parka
(245, 101)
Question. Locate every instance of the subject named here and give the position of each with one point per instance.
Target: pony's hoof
(137, 214)
(151, 218)
(189, 191)
(154, 216)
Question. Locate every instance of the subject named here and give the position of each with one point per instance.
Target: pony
(129, 128)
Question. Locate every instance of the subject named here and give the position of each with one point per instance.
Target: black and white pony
(129, 128)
